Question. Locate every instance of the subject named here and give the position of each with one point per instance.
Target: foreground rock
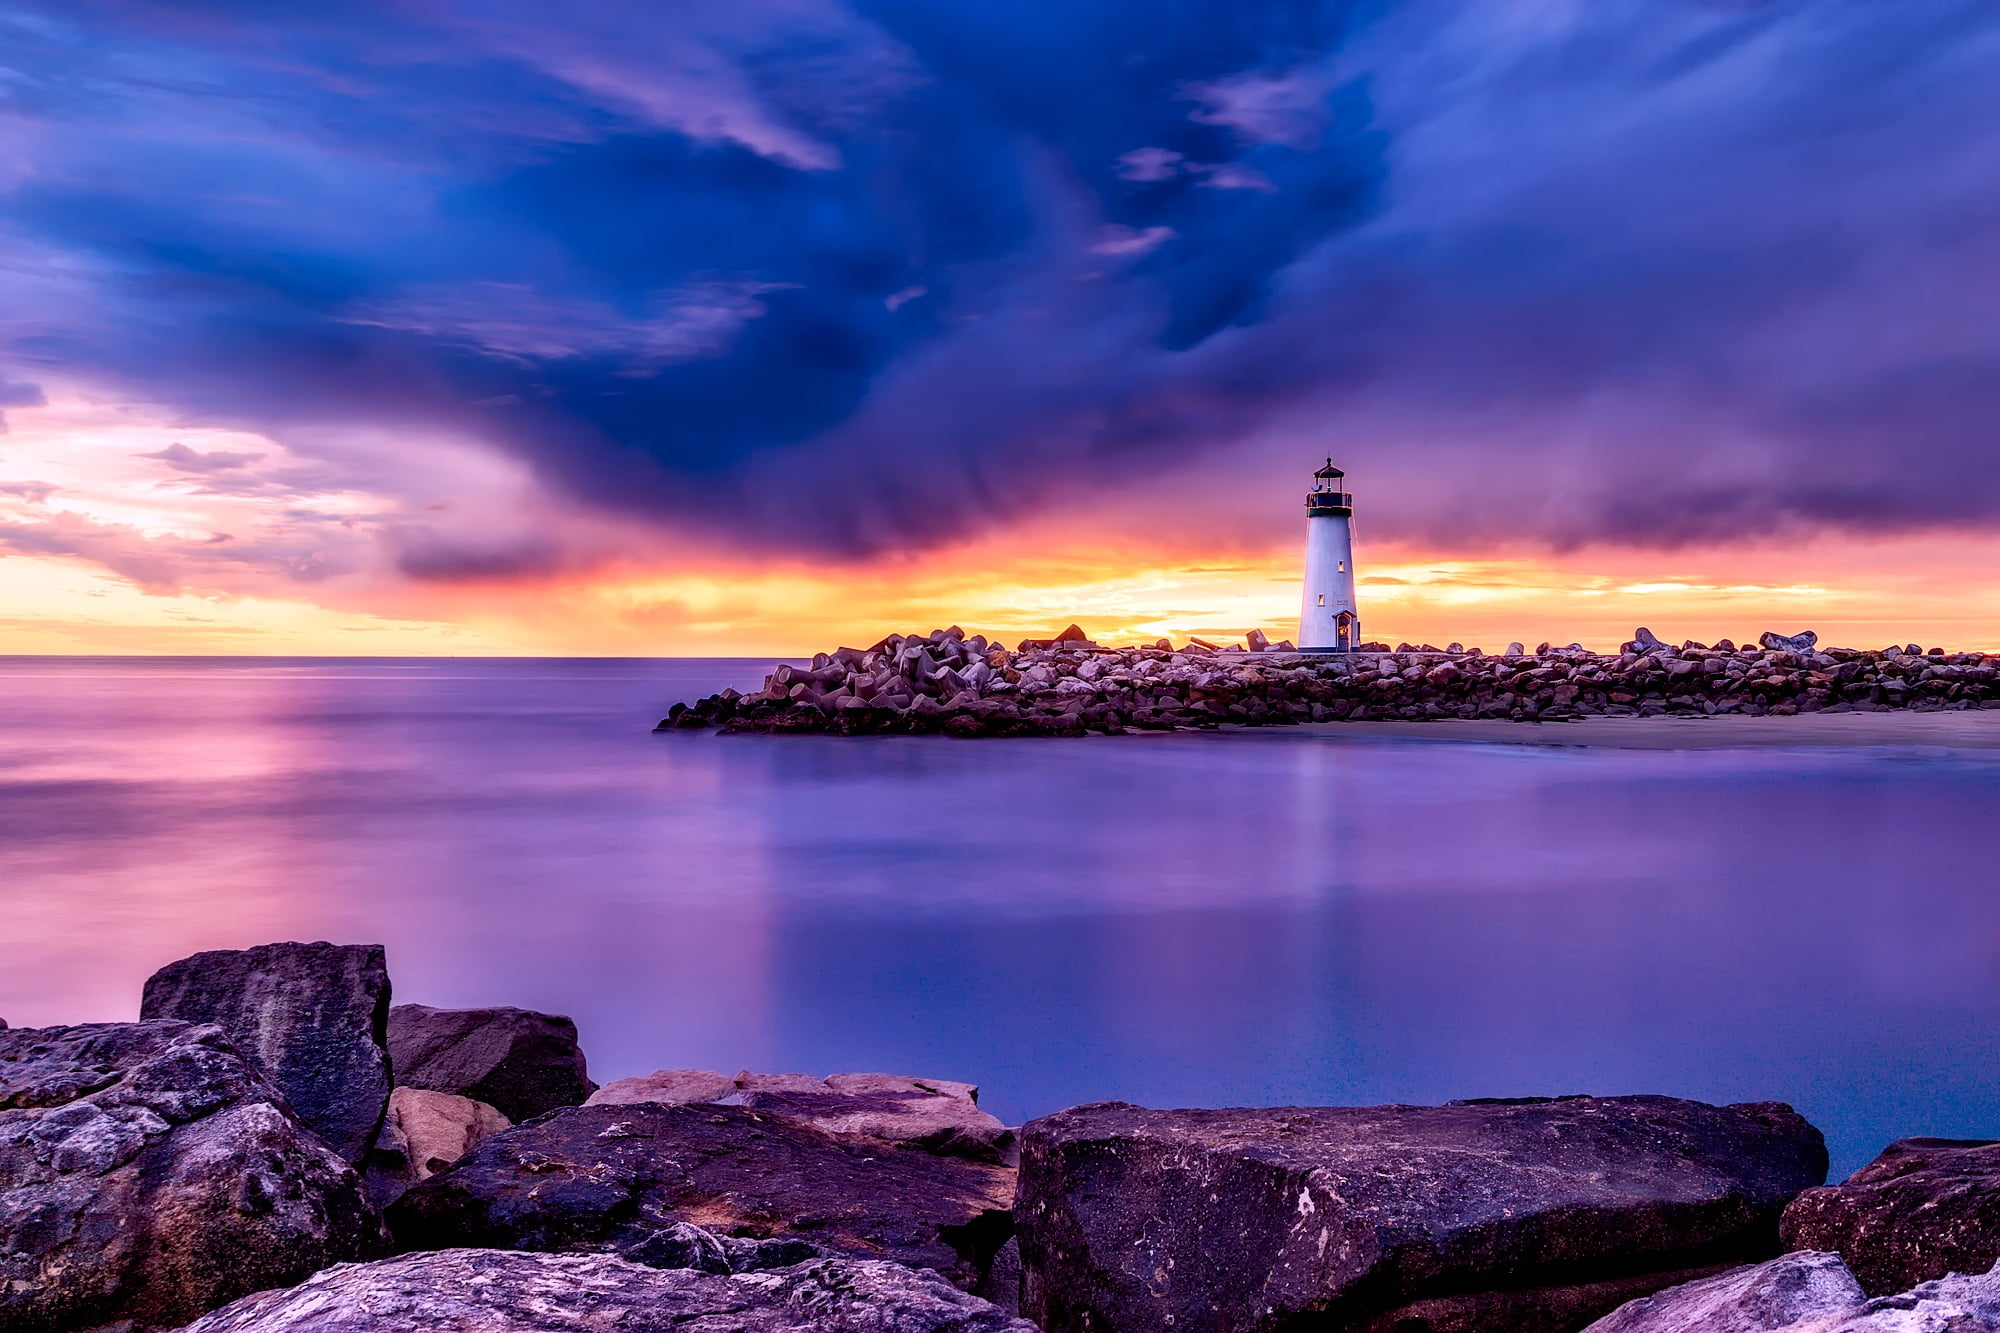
(1779, 1294)
(424, 1133)
(482, 1291)
(517, 1061)
(1489, 1216)
(148, 1172)
(612, 1177)
(965, 686)
(1924, 1208)
(313, 1017)
(1810, 1292)
(930, 1115)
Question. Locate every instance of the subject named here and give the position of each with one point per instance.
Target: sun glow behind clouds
(124, 533)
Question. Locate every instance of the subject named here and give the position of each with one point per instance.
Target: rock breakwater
(963, 685)
(153, 1172)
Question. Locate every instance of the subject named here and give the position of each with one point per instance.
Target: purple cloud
(183, 459)
(813, 277)
(16, 393)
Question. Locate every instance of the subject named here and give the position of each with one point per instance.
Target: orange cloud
(126, 534)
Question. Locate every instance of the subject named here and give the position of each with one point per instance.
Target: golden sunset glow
(134, 535)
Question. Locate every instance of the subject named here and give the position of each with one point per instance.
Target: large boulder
(1810, 1292)
(424, 1133)
(612, 1177)
(517, 1061)
(313, 1016)
(487, 1291)
(1924, 1208)
(668, 1087)
(931, 1115)
(1788, 1290)
(1541, 1214)
(149, 1172)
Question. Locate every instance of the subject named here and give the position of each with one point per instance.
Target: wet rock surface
(611, 1177)
(1811, 1292)
(1491, 1216)
(930, 1115)
(484, 1291)
(1924, 1208)
(150, 1172)
(519, 1062)
(313, 1017)
(946, 682)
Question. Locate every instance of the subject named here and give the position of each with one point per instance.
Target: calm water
(1248, 918)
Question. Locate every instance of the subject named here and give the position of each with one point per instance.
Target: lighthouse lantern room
(1328, 622)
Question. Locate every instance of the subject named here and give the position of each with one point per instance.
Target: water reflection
(1252, 918)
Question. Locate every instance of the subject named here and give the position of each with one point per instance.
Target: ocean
(1254, 917)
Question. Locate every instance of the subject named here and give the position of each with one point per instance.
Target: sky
(493, 326)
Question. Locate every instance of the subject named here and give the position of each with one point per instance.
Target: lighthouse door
(1343, 631)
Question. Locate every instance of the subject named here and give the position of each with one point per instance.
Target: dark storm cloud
(845, 277)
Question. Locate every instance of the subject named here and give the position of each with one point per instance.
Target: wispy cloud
(183, 459)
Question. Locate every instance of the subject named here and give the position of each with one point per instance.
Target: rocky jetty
(1488, 1216)
(959, 685)
(154, 1172)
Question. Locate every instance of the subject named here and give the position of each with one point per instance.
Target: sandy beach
(1972, 730)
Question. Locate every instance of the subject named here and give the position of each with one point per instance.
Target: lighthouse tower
(1328, 622)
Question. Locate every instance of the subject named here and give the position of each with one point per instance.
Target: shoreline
(1962, 730)
(459, 1168)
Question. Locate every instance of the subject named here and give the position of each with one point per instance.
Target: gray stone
(932, 1115)
(1819, 1294)
(1002, 1285)
(424, 1133)
(313, 1017)
(1490, 1216)
(1924, 1208)
(520, 1062)
(605, 1177)
(668, 1087)
(150, 1172)
(486, 1291)
(1956, 1303)
(1785, 1291)
(684, 1245)
(1801, 642)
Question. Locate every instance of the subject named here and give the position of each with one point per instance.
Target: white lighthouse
(1328, 622)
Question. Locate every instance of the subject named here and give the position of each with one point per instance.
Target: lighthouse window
(1343, 566)
(1322, 599)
